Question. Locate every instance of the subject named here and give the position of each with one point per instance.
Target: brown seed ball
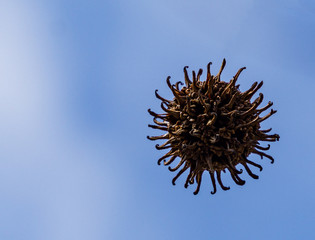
(212, 126)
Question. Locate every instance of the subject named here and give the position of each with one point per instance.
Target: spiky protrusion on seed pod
(211, 126)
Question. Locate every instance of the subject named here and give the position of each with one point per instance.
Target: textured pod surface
(212, 126)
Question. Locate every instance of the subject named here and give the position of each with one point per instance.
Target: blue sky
(76, 79)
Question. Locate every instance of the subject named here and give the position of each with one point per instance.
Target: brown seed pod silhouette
(212, 126)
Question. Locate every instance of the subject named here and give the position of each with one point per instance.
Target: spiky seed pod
(212, 126)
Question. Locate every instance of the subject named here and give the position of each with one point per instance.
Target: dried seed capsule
(212, 126)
